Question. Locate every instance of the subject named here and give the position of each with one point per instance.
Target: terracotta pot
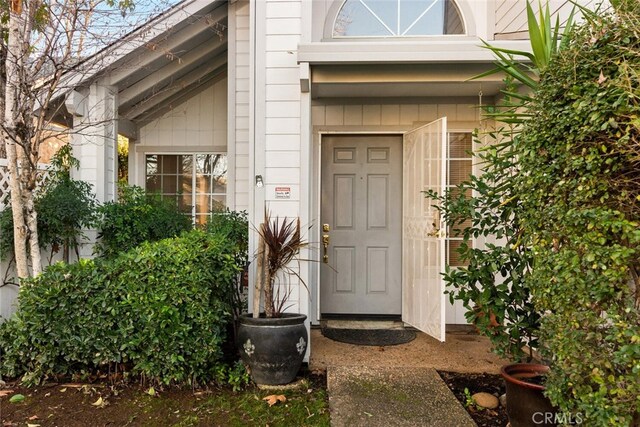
(273, 348)
(526, 403)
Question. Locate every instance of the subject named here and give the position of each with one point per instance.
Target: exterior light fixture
(259, 182)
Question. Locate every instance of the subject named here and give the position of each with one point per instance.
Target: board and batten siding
(197, 124)
(511, 15)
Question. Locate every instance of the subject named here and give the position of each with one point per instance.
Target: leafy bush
(159, 310)
(234, 228)
(65, 207)
(563, 194)
(235, 375)
(135, 218)
(494, 285)
(579, 189)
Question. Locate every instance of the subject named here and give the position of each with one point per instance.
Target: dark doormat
(376, 337)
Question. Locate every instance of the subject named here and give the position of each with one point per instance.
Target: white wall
(277, 102)
(197, 124)
(375, 115)
(199, 121)
(239, 93)
(511, 15)
(9, 292)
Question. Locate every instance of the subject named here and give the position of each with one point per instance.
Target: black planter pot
(526, 403)
(273, 348)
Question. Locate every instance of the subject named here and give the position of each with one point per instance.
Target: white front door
(423, 231)
(361, 208)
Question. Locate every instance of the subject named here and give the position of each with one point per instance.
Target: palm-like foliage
(278, 259)
(523, 68)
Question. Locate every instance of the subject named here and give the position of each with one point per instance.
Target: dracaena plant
(278, 259)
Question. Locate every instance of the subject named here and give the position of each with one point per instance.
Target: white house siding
(378, 117)
(197, 124)
(368, 117)
(511, 15)
(239, 93)
(278, 105)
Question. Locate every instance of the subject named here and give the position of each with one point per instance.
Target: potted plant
(273, 343)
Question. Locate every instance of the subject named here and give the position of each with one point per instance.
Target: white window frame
(449, 186)
(193, 174)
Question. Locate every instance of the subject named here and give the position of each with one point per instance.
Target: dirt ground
(97, 405)
(475, 383)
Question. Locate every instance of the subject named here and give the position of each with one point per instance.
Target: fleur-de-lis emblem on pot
(301, 346)
(249, 348)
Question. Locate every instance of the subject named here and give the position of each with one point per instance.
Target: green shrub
(234, 228)
(65, 207)
(135, 218)
(579, 189)
(159, 310)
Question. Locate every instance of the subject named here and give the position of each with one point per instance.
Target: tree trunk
(32, 225)
(268, 286)
(3, 85)
(15, 58)
(259, 277)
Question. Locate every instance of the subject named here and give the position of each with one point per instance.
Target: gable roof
(181, 47)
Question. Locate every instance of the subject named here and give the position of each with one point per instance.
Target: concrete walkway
(399, 385)
(363, 396)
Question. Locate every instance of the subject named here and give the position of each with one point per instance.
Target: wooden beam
(180, 97)
(196, 76)
(161, 77)
(171, 43)
(128, 128)
(76, 103)
(146, 35)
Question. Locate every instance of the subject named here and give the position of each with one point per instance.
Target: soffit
(403, 80)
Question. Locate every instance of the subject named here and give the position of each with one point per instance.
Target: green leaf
(17, 398)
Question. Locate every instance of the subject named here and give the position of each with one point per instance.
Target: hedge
(160, 311)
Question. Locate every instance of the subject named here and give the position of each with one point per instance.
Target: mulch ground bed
(475, 383)
(102, 404)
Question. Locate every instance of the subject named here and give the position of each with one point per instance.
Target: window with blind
(460, 168)
(197, 182)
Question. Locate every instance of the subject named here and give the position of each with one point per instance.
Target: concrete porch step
(362, 324)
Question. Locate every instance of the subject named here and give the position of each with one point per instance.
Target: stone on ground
(362, 396)
(503, 400)
(486, 400)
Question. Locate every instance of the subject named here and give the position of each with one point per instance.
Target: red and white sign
(283, 192)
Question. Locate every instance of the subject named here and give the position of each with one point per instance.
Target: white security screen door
(423, 231)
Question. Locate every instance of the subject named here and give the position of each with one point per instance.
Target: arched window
(398, 18)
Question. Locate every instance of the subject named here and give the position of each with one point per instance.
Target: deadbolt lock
(325, 228)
